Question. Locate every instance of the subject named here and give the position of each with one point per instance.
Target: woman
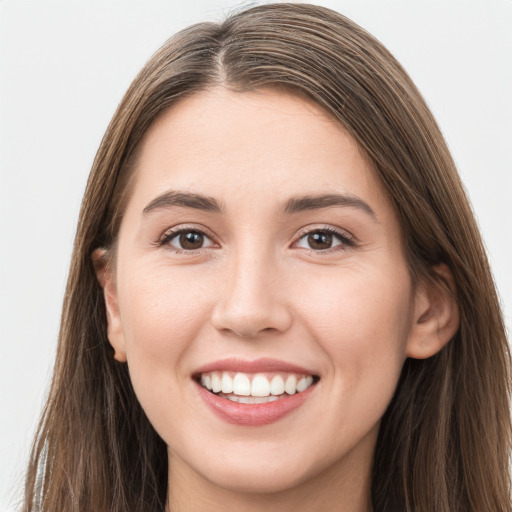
(278, 295)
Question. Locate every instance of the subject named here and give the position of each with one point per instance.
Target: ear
(436, 315)
(106, 279)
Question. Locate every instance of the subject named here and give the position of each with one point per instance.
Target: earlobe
(106, 280)
(436, 315)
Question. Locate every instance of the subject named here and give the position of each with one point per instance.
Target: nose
(253, 300)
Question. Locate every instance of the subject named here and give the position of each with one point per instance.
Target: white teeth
(277, 385)
(216, 382)
(227, 383)
(241, 385)
(254, 386)
(302, 385)
(249, 399)
(206, 381)
(257, 399)
(260, 386)
(291, 384)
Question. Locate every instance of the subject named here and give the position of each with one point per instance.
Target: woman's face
(259, 254)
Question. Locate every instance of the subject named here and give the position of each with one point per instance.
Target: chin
(257, 480)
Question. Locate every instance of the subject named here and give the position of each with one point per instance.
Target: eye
(324, 239)
(187, 240)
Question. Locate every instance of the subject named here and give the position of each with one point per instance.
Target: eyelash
(173, 233)
(347, 240)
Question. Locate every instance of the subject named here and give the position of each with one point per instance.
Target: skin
(256, 289)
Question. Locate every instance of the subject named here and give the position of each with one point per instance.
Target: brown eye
(323, 240)
(320, 240)
(189, 240)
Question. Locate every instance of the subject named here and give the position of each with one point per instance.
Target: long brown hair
(444, 441)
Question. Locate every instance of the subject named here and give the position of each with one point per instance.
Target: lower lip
(253, 415)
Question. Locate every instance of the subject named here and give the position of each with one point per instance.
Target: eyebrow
(293, 205)
(305, 203)
(185, 199)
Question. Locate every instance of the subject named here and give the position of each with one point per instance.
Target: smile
(255, 388)
(254, 393)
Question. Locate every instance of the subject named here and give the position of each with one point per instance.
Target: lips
(254, 393)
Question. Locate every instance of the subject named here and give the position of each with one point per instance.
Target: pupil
(320, 240)
(191, 240)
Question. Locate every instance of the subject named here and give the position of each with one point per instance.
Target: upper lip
(261, 365)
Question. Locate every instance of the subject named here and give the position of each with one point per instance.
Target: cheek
(362, 327)
(162, 317)
(360, 306)
(161, 309)
(362, 322)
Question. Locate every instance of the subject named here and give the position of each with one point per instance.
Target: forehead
(270, 143)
